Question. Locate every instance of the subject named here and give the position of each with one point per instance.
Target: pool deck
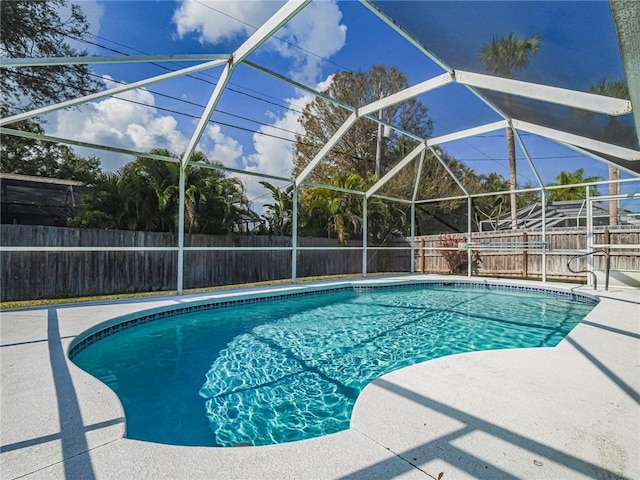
(572, 411)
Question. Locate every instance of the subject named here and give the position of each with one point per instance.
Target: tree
(503, 56)
(279, 213)
(117, 201)
(356, 151)
(334, 211)
(45, 159)
(572, 193)
(613, 132)
(35, 29)
(339, 213)
(144, 195)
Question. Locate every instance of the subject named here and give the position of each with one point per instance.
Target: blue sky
(326, 37)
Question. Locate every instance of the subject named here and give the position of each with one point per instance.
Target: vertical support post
(607, 250)
(416, 186)
(364, 236)
(543, 198)
(181, 186)
(524, 255)
(413, 237)
(380, 139)
(294, 235)
(589, 234)
(423, 260)
(469, 228)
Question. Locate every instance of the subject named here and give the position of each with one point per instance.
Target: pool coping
(124, 322)
(444, 415)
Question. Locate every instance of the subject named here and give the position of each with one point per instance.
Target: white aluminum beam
(66, 141)
(443, 199)
(135, 153)
(470, 132)
(405, 35)
(394, 171)
(562, 96)
(249, 173)
(364, 236)
(506, 192)
(327, 147)
(299, 85)
(416, 185)
(333, 188)
(526, 154)
(54, 61)
(395, 128)
(294, 236)
(181, 210)
(469, 239)
(429, 54)
(407, 93)
(625, 18)
(329, 99)
(588, 143)
(589, 154)
(391, 199)
(282, 16)
(112, 91)
(206, 114)
(446, 167)
(588, 184)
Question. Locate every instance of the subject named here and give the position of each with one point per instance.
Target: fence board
(563, 244)
(34, 275)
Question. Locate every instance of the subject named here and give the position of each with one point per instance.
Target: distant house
(568, 213)
(28, 200)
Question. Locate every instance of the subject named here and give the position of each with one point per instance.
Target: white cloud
(273, 156)
(118, 123)
(316, 30)
(324, 84)
(220, 148)
(217, 21)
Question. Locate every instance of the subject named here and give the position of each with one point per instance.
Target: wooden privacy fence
(31, 275)
(518, 253)
(50, 274)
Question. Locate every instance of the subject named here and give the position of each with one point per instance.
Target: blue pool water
(292, 369)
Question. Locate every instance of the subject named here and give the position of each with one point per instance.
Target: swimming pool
(259, 371)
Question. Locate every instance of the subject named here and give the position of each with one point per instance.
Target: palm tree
(503, 56)
(572, 193)
(340, 213)
(337, 210)
(613, 132)
(214, 203)
(117, 200)
(279, 213)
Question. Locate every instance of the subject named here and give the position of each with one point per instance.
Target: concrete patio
(572, 411)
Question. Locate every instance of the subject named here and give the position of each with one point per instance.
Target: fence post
(524, 255)
(422, 258)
